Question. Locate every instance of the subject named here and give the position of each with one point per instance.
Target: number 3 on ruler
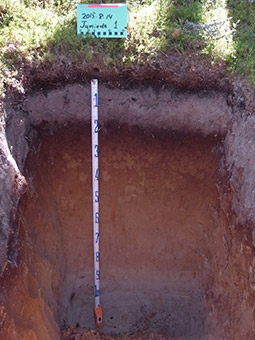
(96, 150)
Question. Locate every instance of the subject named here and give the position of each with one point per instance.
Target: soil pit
(160, 235)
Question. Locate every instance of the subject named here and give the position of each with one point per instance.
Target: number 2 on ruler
(96, 126)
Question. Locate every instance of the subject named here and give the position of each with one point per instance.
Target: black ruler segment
(106, 34)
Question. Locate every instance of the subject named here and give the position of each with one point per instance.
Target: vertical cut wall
(37, 296)
(159, 214)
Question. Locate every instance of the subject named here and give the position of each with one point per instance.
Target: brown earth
(163, 244)
(176, 203)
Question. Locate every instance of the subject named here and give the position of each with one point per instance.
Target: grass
(37, 31)
(243, 58)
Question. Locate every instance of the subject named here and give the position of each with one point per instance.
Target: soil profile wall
(203, 268)
(159, 215)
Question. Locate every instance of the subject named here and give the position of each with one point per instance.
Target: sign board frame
(102, 20)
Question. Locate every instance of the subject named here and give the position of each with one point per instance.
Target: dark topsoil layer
(186, 71)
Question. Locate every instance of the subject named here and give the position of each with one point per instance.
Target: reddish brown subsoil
(162, 237)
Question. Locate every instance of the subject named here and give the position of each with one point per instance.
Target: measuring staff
(98, 313)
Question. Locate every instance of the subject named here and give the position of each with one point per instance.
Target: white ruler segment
(95, 187)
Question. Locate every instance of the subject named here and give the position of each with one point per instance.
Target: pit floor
(158, 212)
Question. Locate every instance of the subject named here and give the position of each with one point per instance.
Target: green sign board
(102, 20)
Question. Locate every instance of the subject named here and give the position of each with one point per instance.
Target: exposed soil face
(176, 263)
(159, 226)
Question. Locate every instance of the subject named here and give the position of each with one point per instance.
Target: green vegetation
(38, 31)
(243, 19)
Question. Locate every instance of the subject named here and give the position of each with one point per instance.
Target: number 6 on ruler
(97, 217)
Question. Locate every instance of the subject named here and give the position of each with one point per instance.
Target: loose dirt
(75, 334)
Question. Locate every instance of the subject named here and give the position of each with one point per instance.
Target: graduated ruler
(95, 188)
